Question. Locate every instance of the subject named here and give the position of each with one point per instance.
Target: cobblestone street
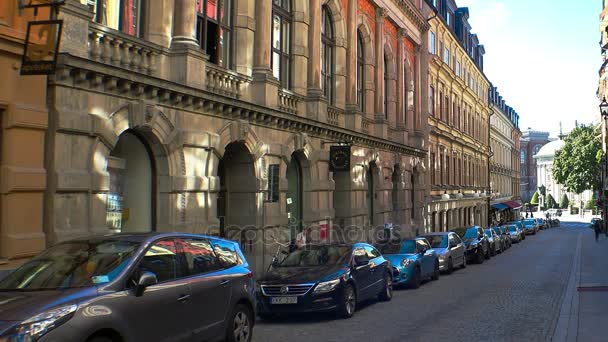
(515, 296)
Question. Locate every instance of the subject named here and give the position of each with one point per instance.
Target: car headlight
(35, 327)
(441, 258)
(327, 286)
(406, 262)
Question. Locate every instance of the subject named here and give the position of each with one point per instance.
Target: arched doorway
(131, 203)
(236, 201)
(294, 196)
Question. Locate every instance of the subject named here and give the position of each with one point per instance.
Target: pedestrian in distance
(596, 229)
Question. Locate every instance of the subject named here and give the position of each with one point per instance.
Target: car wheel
(349, 302)
(240, 326)
(464, 262)
(416, 280)
(450, 266)
(436, 272)
(387, 292)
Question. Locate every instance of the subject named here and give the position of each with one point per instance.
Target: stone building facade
(504, 164)
(531, 142)
(23, 125)
(459, 121)
(218, 117)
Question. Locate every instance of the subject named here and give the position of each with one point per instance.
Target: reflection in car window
(438, 241)
(161, 259)
(372, 253)
(317, 256)
(399, 247)
(226, 253)
(513, 228)
(199, 256)
(72, 264)
(470, 233)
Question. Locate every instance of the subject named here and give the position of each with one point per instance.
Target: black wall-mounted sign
(40, 3)
(41, 47)
(339, 158)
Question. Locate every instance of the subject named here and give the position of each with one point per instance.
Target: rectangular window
(432, 43)
(457, 68)
(446, 56)
(433, 169)
(273, 183)
(123, 15)
(214, 30)
(432, 101)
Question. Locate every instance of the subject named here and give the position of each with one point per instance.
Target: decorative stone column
(317, 104)
(184, 23)
(265, 86)
(351, 58)
(381, 126)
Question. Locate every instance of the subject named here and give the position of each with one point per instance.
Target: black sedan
(330, 278)
(477, 243)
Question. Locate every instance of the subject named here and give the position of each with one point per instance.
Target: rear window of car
(226, 253)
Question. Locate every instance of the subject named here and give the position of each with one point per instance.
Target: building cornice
(413, 14)
(80, 73)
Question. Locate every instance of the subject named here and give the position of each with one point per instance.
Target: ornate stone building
(531, 142)
(218, 117)
(459, 120)
(504, 164)
(23, 124)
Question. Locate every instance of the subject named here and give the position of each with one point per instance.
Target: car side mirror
(145, 279)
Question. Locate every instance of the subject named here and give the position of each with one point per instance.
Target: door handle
(224, 282)
(183, 298)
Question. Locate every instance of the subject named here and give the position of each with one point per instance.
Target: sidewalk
(593, 289)
(584, 309)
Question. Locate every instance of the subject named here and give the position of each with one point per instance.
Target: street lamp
(604, 108)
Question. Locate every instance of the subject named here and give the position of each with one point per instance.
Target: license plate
(284, 300)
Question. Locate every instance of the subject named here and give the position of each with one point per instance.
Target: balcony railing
(122, 50)
(288, 101)
(335, 116)
(224, 82)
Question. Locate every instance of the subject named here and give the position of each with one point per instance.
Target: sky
(544, 57)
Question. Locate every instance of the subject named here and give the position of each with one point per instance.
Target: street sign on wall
(339, 158)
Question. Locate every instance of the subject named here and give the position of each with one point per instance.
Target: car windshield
(512, 228)
(399, 247)
(316, 256)
(438, 241)
(488, 232)
(529, 222)
(72, 265)
(470, 233)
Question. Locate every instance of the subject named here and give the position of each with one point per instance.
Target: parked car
(520, 225)
(507, 236)
(476, 242)
(449, 248)
(495, 243)
(325, 277)
(515, 234)
(531, 226)
(505, 240)
(542, 224)
(413, 261)
(131, 287)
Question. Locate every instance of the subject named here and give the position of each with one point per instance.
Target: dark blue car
(330, 278)
(413, 260)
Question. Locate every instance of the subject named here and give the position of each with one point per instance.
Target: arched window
(123, 15)
(281, 41)
(328, 44)
(214, 30)
(386, 85)
(360, 73)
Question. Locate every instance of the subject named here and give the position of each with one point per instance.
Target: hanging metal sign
(339, 158)
(41, 47)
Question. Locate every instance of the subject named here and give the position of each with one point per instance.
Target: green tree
(590, 203)
(576, 165)
(565, 202)
(534, 200)
(542, 190)
(551, 202)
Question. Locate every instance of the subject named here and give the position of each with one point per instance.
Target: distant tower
(561, 131)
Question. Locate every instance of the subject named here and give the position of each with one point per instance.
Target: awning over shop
(499, 206)
(512, 204)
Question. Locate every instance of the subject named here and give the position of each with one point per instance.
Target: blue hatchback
(413, 260)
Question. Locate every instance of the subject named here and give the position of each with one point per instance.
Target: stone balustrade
(121, 50)
(224, 82)
(335, 116)
(288, 101)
